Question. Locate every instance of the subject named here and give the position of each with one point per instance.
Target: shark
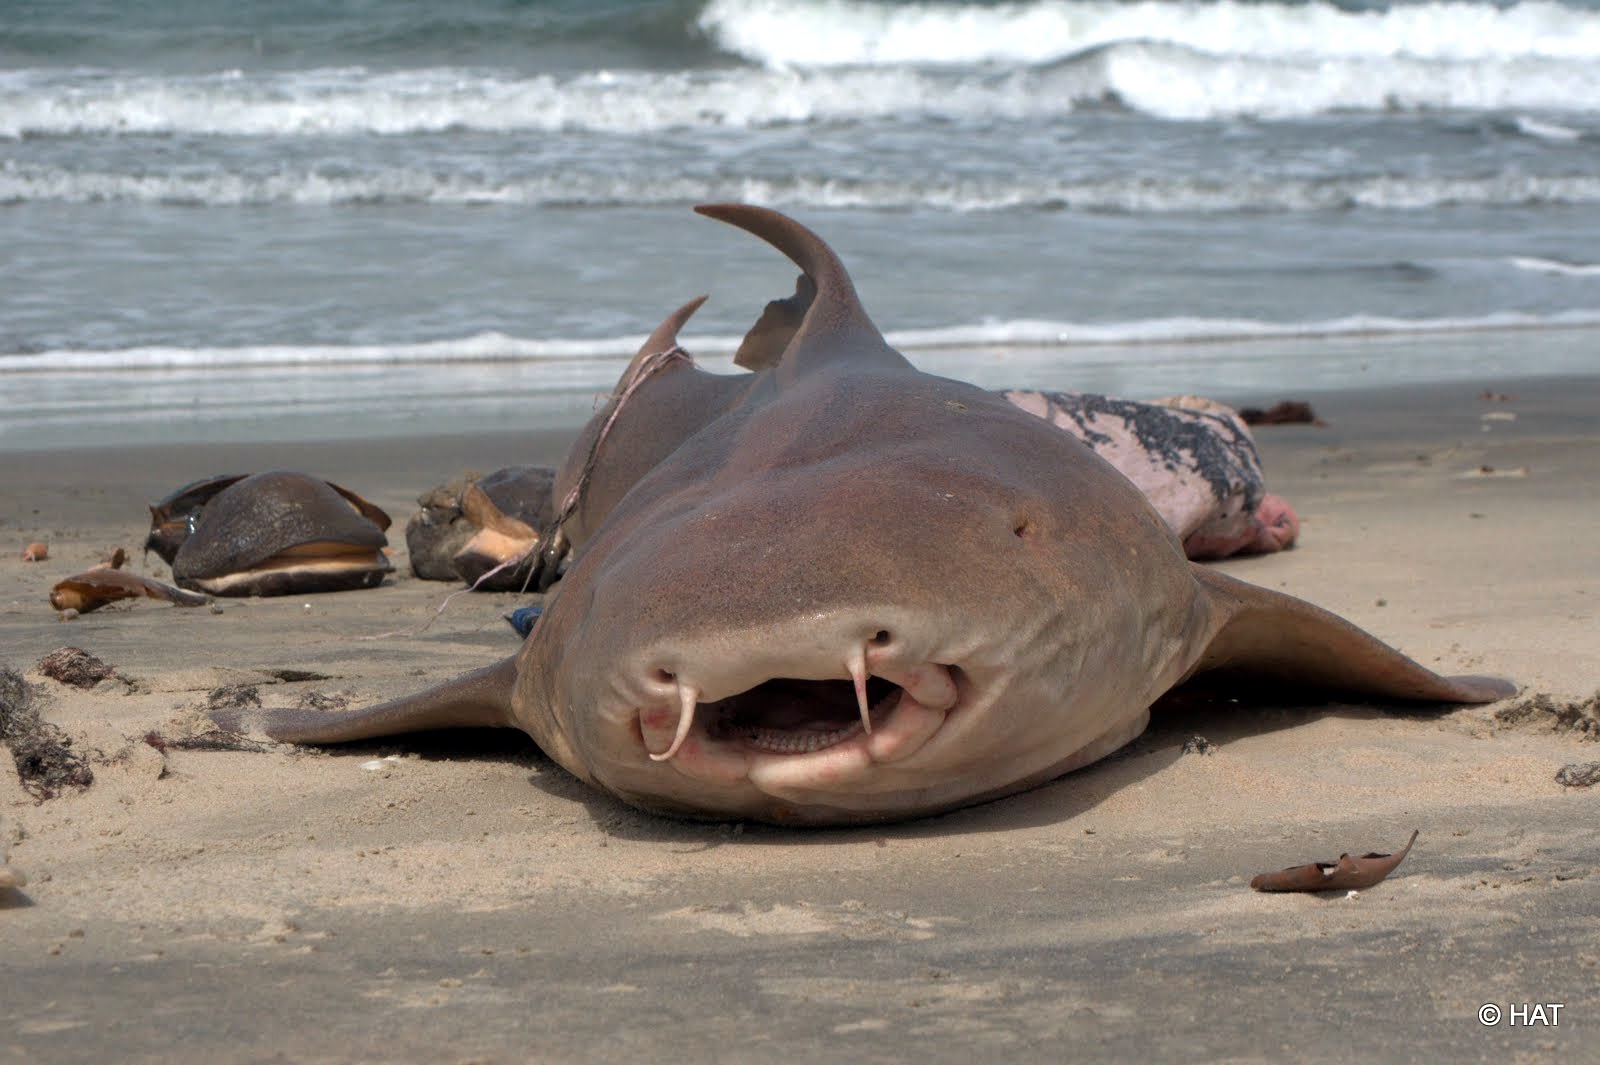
(834, 589)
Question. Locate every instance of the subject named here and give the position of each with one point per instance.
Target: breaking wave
(1556, 267)
(1160, 79)
(1156, 195)
(493, 347)
(818, 33)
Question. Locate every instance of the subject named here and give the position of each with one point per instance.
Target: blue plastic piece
(523, 617)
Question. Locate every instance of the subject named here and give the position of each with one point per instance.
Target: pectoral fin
(481, 699)
(1270, 634)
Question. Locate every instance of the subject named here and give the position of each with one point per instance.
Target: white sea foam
(1164, 79)
(501, 348)
(1177, 83)
(1556, 267)
(480, 347)
(356, 102)
(1044, 333)
(1208, 194)
(1546, 131)
(861, 32)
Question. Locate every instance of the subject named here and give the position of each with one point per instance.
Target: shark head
(860, 591)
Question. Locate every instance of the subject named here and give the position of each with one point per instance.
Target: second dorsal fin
(769, 338)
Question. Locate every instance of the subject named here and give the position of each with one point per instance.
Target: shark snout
(795, 714)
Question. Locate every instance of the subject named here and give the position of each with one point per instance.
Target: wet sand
(461, 899)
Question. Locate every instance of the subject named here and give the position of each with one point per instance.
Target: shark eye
(1026, 520)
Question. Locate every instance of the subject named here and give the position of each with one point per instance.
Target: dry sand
(463, 900)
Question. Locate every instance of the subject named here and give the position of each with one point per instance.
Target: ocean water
(265, 220)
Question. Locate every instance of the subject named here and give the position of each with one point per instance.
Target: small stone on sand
(1579, 775)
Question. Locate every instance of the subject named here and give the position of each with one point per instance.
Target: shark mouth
(784, 716)
(887, 715)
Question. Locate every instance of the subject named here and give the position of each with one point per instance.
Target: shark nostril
(880, 638)
(665, 676)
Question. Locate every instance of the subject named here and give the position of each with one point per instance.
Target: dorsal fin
(584, 449)
(572, 526)
(835, 326)
(763, 346)
(664, 338)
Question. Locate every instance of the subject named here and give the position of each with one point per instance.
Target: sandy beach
(461, 899)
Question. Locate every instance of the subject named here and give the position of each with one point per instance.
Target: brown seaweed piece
(1285, 412)
(37, 551)
(1349, 873)
(108, 582)
(43, 754)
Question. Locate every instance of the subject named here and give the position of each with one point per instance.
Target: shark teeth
(783, 741)
(802, 733)
(688, 699)
(857, 665)
(806, 741)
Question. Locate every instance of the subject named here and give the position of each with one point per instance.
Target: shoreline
(225, 406)
(393, 470)
(471, 886)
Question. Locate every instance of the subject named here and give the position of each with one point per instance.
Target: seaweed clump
(1579, 775)
(46, 763)
(75, 666)
(1542, 711)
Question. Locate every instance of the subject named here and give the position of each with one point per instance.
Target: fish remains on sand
(277, 533)
(838, 590)
(108, 582)
(472, 527)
